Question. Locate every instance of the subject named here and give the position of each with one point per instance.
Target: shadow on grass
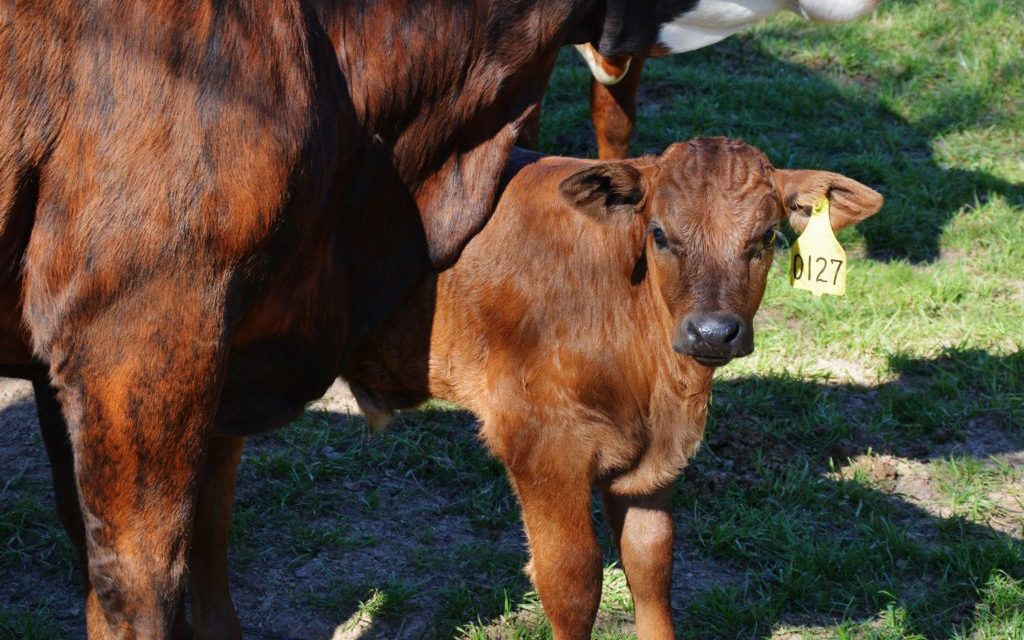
(818, 547)
(39, 588)
(761, 501)
(801, 120)
(417, 525)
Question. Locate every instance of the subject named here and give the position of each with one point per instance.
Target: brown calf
(582, 326)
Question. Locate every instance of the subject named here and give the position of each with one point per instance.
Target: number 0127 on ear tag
(817, 261)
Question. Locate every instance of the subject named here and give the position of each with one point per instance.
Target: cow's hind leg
(565, 562)
(642, 531)
(213, 612)
(613, 112)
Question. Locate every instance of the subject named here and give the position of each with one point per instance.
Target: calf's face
(711, 210)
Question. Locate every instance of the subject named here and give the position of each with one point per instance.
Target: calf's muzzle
(713, 339)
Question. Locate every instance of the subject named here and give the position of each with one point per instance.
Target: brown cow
(205, 206)
(583, 326)
(695, 24)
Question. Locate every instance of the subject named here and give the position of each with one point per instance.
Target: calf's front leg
(642, 531)
(565, 563)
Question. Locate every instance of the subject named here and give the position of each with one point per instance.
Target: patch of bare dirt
(912, 480)
(893, 475)
(17, 409)
(338, 399)
(693, 573)
(847, 371)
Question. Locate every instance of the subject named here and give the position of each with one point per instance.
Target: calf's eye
(660, 239)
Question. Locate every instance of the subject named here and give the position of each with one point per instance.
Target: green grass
(924, 101)
(854, 482)
(28, 625)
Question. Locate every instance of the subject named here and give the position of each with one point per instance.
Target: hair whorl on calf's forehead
(707, 158)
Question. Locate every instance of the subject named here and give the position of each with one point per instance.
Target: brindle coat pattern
(559, 326)
(204, 206)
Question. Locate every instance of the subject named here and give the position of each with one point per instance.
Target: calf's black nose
(713, 339)
(714, 329)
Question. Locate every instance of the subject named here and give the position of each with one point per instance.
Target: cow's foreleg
(565, 562)
(139, 382)
(138, 454)
(213, 612)
(613, 112)
(62, 469)
(642, 531)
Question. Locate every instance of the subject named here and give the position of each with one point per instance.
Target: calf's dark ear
(605, 191)
(850, 201)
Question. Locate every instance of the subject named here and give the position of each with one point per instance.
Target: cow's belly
(288, 349)
(269, 383)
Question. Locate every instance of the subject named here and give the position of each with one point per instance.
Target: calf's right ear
(606, 191)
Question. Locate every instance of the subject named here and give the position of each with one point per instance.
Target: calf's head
(709, 211)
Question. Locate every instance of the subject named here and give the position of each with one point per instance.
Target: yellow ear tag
(817, 261)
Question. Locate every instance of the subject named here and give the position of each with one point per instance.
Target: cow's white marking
(714, 20)
(833, 11)
(600, 74)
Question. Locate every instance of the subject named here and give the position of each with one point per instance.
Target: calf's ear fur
(850, 201)
(605, 191)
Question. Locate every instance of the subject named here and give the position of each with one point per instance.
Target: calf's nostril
(734, 332)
